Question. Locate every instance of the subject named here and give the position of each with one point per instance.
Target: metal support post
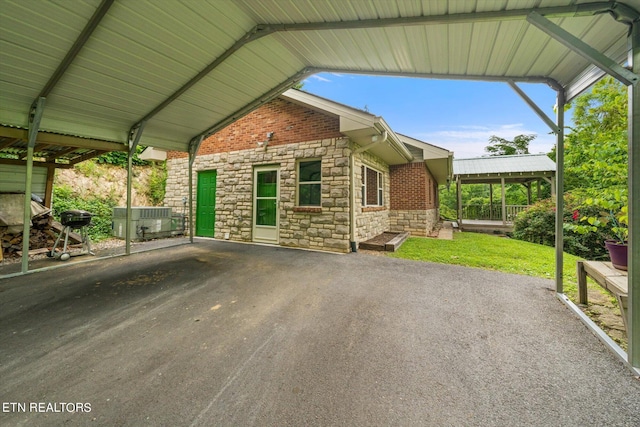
(559, 190)
(35, 115)
(633, 322)
(134, 138)
(190, 222)
(194, 146)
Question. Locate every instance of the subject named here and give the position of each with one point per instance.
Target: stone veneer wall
(417, 222)
(326, 227)
(371, 221)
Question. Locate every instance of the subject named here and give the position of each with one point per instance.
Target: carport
(169, 74)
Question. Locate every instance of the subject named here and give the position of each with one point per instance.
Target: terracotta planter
(618, 253)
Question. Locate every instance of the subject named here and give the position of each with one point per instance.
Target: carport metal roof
(189, 68)
(167, 74)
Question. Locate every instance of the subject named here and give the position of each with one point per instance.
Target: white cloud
(320, 78)
(469, 141)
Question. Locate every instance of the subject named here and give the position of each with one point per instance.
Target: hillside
(90, 180)
(98, 188)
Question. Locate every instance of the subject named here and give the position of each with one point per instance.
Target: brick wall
(409, 186)
(413, 199)
(289, 122)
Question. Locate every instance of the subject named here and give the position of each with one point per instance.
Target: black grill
(75, 218)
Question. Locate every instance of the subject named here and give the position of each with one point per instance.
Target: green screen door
(265, 223)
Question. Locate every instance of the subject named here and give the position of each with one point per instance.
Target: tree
(596, 162)
(504, 147)
(596, 152)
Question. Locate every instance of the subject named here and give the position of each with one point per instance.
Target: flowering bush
(537, 225)
(612, 218)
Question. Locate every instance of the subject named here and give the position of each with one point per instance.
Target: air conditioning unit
(146, 222)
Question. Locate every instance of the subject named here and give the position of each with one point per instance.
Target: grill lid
(75, 218)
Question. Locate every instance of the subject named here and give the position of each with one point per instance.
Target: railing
(483, 212)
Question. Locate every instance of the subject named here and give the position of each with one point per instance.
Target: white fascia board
(392, 139)
(430, 151)
(440, 169)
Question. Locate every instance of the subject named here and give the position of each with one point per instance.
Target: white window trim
(379, 189)
(298, 183)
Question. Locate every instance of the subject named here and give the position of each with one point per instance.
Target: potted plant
(612, 221)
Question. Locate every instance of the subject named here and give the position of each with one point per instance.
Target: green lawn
(492, 253)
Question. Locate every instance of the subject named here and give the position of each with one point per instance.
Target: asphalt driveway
(217, 333)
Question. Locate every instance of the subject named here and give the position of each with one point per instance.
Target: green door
(206, 204)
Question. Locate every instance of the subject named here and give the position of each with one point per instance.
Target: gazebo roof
(517, 168)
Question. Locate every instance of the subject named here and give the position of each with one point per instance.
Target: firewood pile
(44, 229)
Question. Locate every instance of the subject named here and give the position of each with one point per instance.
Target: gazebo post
(504, 201)
(459, 197)
(490, 202)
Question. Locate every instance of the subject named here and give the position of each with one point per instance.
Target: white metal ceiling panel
(140, 60)
(35, 37)
(221, 93)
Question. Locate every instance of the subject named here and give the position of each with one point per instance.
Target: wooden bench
(607, 276)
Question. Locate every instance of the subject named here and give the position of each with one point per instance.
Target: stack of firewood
(43, 234)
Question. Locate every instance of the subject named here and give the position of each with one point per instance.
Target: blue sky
(457, 115)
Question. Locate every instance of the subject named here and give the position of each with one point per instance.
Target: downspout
(352, 190)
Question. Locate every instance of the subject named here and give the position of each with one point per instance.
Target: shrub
(537, 225)
(157, 184)
(447, 213)
(64, 199)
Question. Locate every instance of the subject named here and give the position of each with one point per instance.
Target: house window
(372, 187)
(309, 183)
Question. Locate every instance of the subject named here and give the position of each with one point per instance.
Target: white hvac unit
(146, 222)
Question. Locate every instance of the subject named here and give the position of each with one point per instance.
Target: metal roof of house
(523, 165)
(175, 71)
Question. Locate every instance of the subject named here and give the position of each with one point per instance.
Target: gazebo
(524, 169)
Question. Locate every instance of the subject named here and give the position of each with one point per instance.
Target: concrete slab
(12, 267)
(218, 333)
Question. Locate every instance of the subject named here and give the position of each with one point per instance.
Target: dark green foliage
(157, 183)
(537, 225)
(596, 162)
(596, 152)
(64, 199)
(120, 158)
